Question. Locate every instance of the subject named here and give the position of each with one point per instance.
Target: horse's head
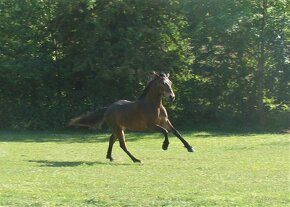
(163, 84)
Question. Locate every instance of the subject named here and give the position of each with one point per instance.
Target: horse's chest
(160, 115)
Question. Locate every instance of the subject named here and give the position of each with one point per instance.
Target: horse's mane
(148, 86)
(146, 90)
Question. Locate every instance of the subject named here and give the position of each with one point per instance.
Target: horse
(145, 114)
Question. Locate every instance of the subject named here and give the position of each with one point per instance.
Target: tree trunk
(261, 66)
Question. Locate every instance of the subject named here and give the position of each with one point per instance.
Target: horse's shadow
(48, 163)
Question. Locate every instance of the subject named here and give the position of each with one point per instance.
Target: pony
(147, 113)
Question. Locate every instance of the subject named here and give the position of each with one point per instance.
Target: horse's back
(120, 104)
(126, 114)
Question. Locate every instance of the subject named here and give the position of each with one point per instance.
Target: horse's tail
(92, 119)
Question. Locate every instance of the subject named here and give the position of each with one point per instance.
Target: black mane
(146, 90)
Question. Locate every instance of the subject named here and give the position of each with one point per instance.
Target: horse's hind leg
(110, 148)
(121, 136)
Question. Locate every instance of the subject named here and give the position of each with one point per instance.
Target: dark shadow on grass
(221, 134)
(96, 137)
(216, 134)
(277, 143)
(229, 132)
(48, 163)
(68, 137)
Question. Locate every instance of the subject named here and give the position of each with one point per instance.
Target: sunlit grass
(70, 169)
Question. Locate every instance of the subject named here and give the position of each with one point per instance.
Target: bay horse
(145, 114)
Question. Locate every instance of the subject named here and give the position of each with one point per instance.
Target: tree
(229, 59)
(233, 44)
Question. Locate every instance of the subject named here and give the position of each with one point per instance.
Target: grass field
(70, 169)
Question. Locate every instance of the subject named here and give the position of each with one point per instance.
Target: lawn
(70, 169)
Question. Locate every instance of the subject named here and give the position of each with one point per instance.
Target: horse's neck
(154, 98)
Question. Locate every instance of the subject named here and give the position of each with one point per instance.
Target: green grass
(70, 169)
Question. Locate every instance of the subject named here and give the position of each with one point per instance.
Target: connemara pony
(145, 114)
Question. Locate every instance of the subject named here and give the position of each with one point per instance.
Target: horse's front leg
(186, 144)
(178, 135)
(165, 133)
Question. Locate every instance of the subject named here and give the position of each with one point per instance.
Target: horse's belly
(133, 122)
(136, 126)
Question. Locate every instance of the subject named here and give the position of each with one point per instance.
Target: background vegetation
(229, 59)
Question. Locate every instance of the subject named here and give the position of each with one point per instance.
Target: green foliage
(66, 169)
(226, 39)
(61, 58)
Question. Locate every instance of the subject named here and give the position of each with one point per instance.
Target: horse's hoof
(137, 161)
(110, 158)
(165, 145)
(190, 149)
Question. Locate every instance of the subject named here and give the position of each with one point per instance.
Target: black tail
(92, 119)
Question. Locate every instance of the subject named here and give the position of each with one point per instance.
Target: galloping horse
(145, 114)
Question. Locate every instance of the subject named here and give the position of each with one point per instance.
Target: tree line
(228, 59)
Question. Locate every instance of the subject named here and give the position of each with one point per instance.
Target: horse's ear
(168, 74)
(152, 76)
